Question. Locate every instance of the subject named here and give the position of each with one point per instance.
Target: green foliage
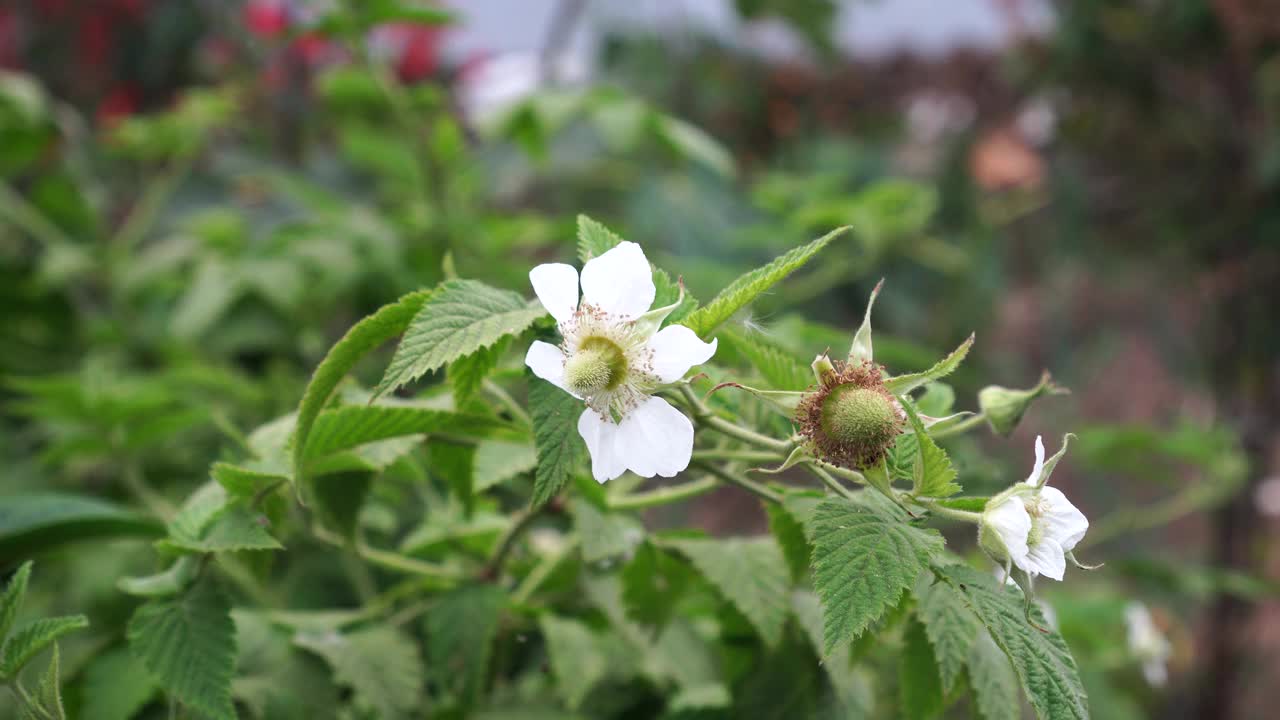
(576, 655)
(751, 574)
(653, 583)
(381, 665)
(11, 599)
(904, 384)
(777, 366)
(745, 289)
(604, 536)
(460, 318)
(116, 686)
(46, 520)
(865, 556)
(467, 373)
(1042, 660)
(28, 640)
(555, 416)
(594, 239)
(920, 689)
(188, 645)
(951, 628)
(461, 630)
(931, 472)
(994, 683)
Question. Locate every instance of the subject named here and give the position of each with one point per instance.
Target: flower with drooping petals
(613, 357)
(1034, 526)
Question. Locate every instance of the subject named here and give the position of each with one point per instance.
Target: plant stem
(748, 485)
(830, 481)
(705, 417)
(756, 456)
(963, 426)
(962, 515)
(664, 496)
(387, 559)
(523, 520)
(508, 402)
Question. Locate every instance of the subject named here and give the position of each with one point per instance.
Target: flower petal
(676, 348)
(1062, 521)
(1046, 558)
(602, 439)
(619, 282)
(547, 362)
(656, 439)
(1011, 524)
(1034, 478)
(556, 286)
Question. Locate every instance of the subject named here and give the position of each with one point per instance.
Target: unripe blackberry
(850, 418)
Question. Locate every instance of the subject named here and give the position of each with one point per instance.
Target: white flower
(613, 357)
(1034, 525)
(1148, 644)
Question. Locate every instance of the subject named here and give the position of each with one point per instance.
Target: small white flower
(1148, 644)
(613, 357)
(1034, 525)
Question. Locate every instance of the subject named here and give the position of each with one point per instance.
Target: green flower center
(598, 365)
(859, 416)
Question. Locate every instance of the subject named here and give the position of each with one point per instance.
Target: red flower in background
(9, 40)
(121, 102)
(267, 18)
(413, 50)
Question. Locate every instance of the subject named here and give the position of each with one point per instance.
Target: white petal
(1155, 672)
(556, 286)
(1046, 558)
(619, 282)
(656, 439)
(601, 437)
(676, 348)
(1062, 520)
(1034, 478)
(1012, 524)
(547, 362)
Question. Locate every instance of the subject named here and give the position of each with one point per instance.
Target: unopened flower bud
(1005, 407)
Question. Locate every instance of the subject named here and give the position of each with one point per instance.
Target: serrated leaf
(40, 522)
(950, 626)
(461, 628)
(594, 239)
(560, 448)
(189, 646)
(455, 463)
(777, 366)
(116, 686)
(789, 532)
(243, 482)
(865, 556)
(467, 373)
(1043, 662)
(234, 528)
(49, 693)
(937, 400)
(338, 498)
(33, 637)
(11, 599)
(380, 664)
(459, 318)
(652, 583)
(994, 683)
(498, 461)
(578, 659)
(366, 335)
(931, 474)
(274, 680)
(751, 574)
(667, 292)
(354, 425)
(604, 535)
(904, 384)
(748, 287)
(920, 690)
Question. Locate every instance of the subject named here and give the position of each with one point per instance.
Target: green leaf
(594, 239)
(39, 522)
(748, 287)
(903, 384)
(11, 599)
(467, 373)
(994, 683)
(34, 637)
(115, 687)
(1042, 660)
(751, 573)
(920, 690)
(233, 528)
(555, 416)
(604, 535)
(244, 482)
(862, 349)
(380, 664)
(577, 657)
(851, 684)
(789, 532)
(366, 335)
(461, 317)
(455, 464)
(652, 583)
(937, 400)
(461, 628)
(189, 646)
(49, 693)
(162, 584)
(932, 474)
(950, 626)
(865, 555)
(339, 497)
(776, 365)
(498, 461)
(354, 425)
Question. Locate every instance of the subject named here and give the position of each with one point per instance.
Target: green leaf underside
(993, 680)
(460, 317)
(388, 322)
(380, 664)
(920, 689)
(560, 448)
(950, 626)
(460, 632)
(31, 638)
(1044, 665)
(751, 573)
(354, 425)
(865, 557)
(652, 584)
(748, 287)
(189, 646)
(604, 535)
(498, 461)
(777, 366)
(932, 473)
(40, 521)
(903, 384)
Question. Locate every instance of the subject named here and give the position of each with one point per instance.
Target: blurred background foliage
(197, 199)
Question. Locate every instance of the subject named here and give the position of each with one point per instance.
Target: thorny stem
(664, 496)
(748, 485)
